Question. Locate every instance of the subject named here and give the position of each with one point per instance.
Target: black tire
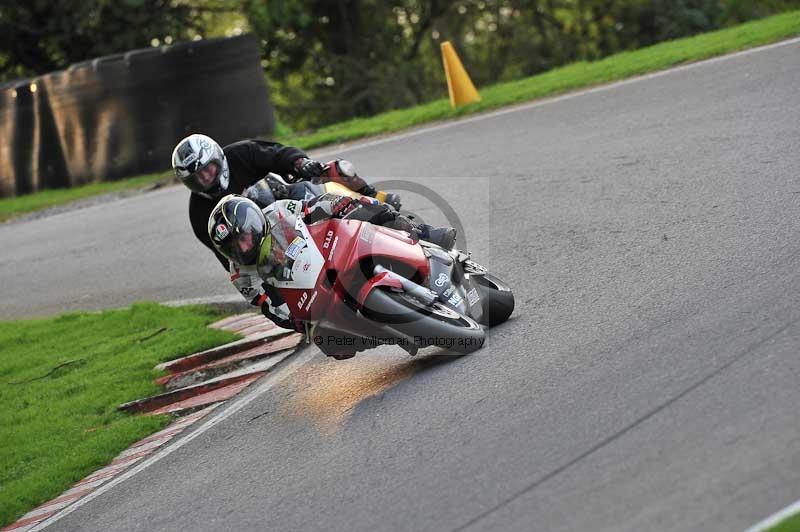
(498, 300)
(436, 325)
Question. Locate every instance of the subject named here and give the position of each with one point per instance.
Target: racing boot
(445, 237)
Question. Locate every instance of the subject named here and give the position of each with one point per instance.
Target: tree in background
(330, 60)
(40, 36)
(738, 11)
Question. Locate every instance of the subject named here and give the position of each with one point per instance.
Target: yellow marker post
(460, 87)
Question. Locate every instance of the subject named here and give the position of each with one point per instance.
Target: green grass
(570, 77)
(11, 207)
(791, 524)
(61, 381)
(557, 81)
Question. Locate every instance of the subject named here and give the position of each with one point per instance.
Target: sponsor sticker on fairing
(300, 265)
(472, 296)
(302, 300)
(295, 247)
(455, 300)
(328, 238)
(311, 301)
(367, 233)
(333, 248)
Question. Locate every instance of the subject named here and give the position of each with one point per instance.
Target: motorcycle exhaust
(427, 297)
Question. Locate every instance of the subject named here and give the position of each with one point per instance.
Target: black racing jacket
(248, 162)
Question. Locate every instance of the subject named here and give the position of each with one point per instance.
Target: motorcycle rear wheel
(435, 325)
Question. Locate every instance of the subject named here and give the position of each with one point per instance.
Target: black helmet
(200, 164)
(238, 229)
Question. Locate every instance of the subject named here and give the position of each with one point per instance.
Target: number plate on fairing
(307, 263)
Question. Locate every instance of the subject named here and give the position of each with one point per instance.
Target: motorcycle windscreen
(296, 262)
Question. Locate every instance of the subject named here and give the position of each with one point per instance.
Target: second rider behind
(212, 172)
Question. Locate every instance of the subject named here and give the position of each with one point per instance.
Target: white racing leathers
(259, 283)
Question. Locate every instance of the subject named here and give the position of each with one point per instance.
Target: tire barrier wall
(121, 115)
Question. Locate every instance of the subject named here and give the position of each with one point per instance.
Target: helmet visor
(247, 232)
(203, 178)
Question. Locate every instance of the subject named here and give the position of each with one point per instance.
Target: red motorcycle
(382, 287)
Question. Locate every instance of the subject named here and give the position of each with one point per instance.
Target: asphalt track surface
(647, 381)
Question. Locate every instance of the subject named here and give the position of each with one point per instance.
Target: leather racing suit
(259, 283)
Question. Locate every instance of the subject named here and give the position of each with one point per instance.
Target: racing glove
(308, 169)
(367, 190)
(343, 205)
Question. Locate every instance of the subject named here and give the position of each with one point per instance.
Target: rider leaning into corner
(260, 244)
(212, 172)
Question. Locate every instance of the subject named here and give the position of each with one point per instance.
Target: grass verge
(790, 524)
(553, 82)
(570, 77)
(61, 380)
(12, 207)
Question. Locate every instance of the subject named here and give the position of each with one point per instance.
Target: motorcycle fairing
(307, 261)
(454, 288)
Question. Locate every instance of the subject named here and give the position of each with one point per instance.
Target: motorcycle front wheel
(498, 300)
(435, 325)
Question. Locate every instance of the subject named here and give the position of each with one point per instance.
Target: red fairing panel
(382, 279)
(376, 241)
(344, 244)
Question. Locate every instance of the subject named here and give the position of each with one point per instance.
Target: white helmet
(192, 161)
